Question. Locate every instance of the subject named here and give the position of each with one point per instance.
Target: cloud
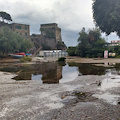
(73, 15)
(70, 15)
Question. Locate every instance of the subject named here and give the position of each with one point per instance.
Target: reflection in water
(37, 77)
(110, 98)
(47, 72)
(51, 72)
(59, 73)
(112, 81)
(69, 73)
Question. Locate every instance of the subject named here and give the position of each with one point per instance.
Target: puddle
(53, 73)
(109, 98)
(110, 83)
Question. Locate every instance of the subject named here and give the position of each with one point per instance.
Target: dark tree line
(90, 44)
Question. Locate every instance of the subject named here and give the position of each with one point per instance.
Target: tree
(5, 16)
(91, 44)
(83, 44)
(71, 51)
(11, 42)
(106, 14)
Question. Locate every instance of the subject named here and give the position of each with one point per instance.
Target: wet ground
(92, 93)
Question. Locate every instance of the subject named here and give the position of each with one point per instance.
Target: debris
(62, 97)
(99, 84)
(119, 103)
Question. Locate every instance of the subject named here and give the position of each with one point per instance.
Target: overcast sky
(70, 15)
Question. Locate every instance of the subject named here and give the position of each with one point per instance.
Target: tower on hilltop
(51, 30)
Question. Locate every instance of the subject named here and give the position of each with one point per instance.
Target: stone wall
(51, 29)
(41, 40)
(50, 37)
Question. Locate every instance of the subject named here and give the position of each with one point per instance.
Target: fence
(53, 53)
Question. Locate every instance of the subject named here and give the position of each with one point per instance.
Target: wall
(21, 29)
(53, 28)
(43, 40)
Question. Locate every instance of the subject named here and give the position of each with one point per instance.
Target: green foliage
(61, 45)
(91, 44)
(61, 59)
(42, 29)
(26, 59)
(118, 56)
(71, 51)
(106, 15)
(5, 16)
(11, 42)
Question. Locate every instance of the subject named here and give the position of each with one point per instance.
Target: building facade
(51, 30)
(21, 29)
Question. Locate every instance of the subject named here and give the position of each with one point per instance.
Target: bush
(71, 51)
(26, 59)
(61, 59)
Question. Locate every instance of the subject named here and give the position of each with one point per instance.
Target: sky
(70, 15)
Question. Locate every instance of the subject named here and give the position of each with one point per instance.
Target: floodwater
(54, 73)
(108, 84)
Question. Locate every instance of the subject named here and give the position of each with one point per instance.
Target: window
(26, 27)
(11, 27)
(18, 27)
(25, 34)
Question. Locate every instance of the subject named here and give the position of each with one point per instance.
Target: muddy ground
(80, 99)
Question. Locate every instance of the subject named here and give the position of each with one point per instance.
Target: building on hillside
(51, 30)
(3, 24)
(21, 29)
(50, 37)
(115, 41)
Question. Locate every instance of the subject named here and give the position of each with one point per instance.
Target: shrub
(26, 59)
(71, 51)
(61, 59)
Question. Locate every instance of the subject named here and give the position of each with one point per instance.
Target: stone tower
(51, 30)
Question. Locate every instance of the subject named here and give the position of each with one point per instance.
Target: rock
(119, 103)
(62, 97)
(99, 84)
